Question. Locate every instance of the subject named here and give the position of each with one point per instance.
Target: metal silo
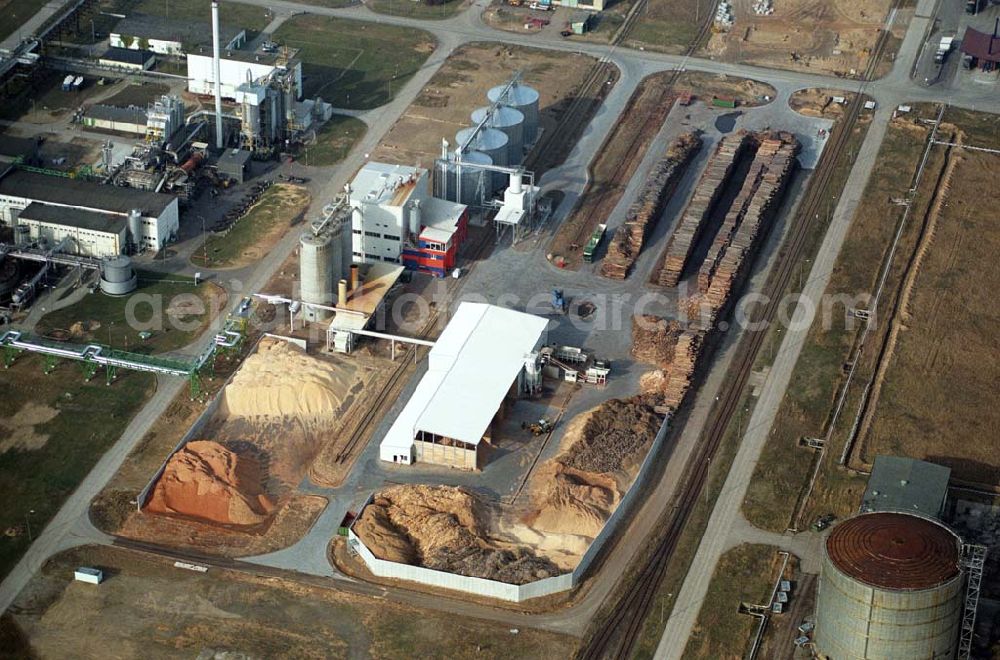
(511, 122)
(473, 179)
(523, 98)
(891, 587)
(490, 141)
(134, 224)
(117, 276)
(316, 274)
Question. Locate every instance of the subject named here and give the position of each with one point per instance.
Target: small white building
(157, 220)
(236, 67)
(485, 356)
(91, 233)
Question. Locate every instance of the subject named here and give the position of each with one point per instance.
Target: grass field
(411, 9)
(334, 141)
(140, 95)
(669, 26)
(150, 609)
(177, 311)
(744, 574)
(16, 12)
(354, 64)
(251, 17)
(257, 232)
(783, 469)
(53, 429)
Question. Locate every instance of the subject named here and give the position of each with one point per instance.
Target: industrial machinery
(558, 301)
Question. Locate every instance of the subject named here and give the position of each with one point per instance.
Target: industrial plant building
(91, 233)
(485, 356)
(982, 48)
(892, 586)
(395, 219)
(152, 218)
(165, 36)
(126, 58)
(112, 118)
(237, 67)
(898, 483)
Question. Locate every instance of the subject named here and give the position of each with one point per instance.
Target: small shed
(581, 22)
(88, 575)
(898, 483)
(234, 164)
(126, 58)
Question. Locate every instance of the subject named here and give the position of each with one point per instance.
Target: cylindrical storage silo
(316, 274)
(117, 276)
(511, 122)
(490, 141)
(473, 178)
(891, 587)
(134, 224)
(523, 99)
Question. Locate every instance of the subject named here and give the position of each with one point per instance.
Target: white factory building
(485, 356)
(151, 218)
(165, 36)
(91, 234)
(237, 67)
(393, 203)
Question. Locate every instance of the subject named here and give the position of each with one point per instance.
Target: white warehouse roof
(470, 370)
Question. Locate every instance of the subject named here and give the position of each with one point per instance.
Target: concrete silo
(511, 122)
(891, 587)
(521, 98)
(316, 273)
(117, 276)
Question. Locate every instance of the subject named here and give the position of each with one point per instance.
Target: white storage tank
(316, 274)
(511, 122)
(891, 587)
(523, 99)
(134, 224)
(117, 276)
(445, 186)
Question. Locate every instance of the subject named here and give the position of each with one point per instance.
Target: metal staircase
(973, 558)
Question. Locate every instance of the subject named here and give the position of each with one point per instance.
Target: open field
(354, 64)
(141, 94)
(935, 395)
(256, 233)
(16, 12)
(745, 574)
(445, 104)
(813, 35)
(40, 99)
(669, 26)
(171, 307)
(147, 607)
(334, 141)
(53, 429)
(418, 8)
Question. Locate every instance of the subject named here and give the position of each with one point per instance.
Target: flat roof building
(236, 66)
(91, 233)
(126, 58)
(157, 219)
(898, 483)
(113, 118)
(485, 355)
(983, 47)
(166, 36)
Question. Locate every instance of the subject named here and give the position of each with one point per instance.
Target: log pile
(682, 370)
(747, 220)
(642, 215)
(699, 209)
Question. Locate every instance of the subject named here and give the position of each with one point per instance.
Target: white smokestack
(216, 67)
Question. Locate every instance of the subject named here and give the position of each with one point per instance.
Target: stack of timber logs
(748, 218)
(682, 369)
(648, 206)
(699, 209)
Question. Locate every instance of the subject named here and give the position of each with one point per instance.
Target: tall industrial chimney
(216, 67)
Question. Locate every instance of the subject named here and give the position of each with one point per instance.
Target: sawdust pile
(447, 529)
(654, 339)
(19, 432)
(575, 501)
(205, 480)
(281, 380)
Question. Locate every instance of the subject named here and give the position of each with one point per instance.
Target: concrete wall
(511, 592)
(86, 242)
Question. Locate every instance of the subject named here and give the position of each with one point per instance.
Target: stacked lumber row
(698, 210)
(646, 209)
(682, 370)
(772, 167)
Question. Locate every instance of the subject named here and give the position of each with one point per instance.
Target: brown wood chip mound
(612, 434)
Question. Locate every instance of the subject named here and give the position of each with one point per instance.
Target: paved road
(71, 527)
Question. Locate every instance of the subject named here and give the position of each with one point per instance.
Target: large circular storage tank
(891, 587)
(524, 99)
(117, 276)
(316, 274)
(511, 122)
(490, 141)
(445, 186)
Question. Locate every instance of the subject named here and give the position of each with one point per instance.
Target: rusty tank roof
(894, 551)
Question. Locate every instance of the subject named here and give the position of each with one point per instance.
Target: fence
(515, 593)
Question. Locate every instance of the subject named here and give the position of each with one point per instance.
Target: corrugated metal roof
(131, 114)
(69, 217)
(894, 551)
(982, 45)
(127, 55)
(471, 368)
(82, 194)
(898, 483)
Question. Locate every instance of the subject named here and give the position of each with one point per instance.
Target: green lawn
(256, 233)
(334, 141)
(177, 311)
(141, 95)
(353, 64)
(15, 13)
(743, 574)
(41, 464)
(251, 17)
(669, 25)
(411, 9)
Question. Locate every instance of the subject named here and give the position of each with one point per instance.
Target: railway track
(618, 636)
